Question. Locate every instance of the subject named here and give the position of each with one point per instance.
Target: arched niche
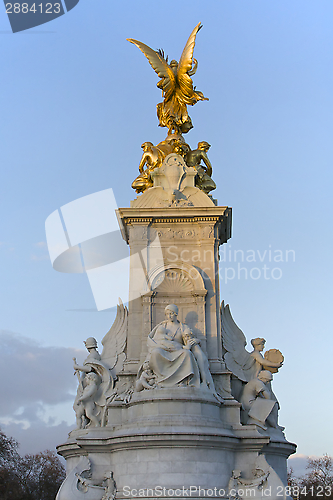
(177, 283)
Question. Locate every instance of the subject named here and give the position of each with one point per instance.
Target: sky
(78, 101)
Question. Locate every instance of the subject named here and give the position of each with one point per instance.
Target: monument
(175, 406)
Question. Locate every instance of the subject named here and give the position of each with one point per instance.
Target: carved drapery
(181, 284)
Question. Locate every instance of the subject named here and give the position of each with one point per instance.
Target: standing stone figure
(98, 373)
(94, 383)
(84, 405)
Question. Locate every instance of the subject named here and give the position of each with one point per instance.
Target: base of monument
(173, 438)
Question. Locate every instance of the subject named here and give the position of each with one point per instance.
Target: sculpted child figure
(260, 363)
(147, 378)
(164, 340)
(202, 360)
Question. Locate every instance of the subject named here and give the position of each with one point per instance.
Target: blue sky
(77, 102)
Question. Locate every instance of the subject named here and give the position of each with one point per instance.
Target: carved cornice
(151, 217)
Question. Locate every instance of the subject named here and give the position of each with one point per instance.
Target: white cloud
(34, 374)
(42, 253)
(39, 436)
(39, 257)
(298, 463)
(37, 391)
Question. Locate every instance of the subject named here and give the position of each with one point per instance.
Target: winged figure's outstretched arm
(194, 69)
(160, 66)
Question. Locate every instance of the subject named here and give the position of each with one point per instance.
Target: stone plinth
(175, 256)
(174, 438)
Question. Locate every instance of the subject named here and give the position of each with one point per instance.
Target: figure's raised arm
(85, 369)
(265, 362)
(192, 71)
(208, 164)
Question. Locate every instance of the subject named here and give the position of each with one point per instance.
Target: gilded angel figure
(176, 85)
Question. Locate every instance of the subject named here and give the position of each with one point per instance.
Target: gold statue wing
(160, 66)
(185, 65)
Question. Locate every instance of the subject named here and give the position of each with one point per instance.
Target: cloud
(39, 257)
(34, 374)
(42, 253)
(38, 437)
(37, 392)
(298, 463)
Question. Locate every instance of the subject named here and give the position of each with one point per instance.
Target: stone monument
(175, 406)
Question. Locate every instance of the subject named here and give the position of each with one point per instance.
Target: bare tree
(317, 483)
(32, 477)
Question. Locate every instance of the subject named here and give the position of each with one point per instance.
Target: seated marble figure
(175, 355)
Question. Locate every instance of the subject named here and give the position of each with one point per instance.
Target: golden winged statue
(176, 85)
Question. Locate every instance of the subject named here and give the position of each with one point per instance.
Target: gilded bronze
(176, 85)
(178, 93)
(180, 148)
(152, 158)
(203, 178)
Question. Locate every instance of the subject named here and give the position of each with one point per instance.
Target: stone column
(174, 259)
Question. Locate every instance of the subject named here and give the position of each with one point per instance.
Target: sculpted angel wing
(237, 358)
(184, 66)
(185, 61)
(114, 342)
(160, 66)
(69, 488)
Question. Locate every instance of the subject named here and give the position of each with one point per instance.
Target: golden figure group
(153, 157)
(178, 93)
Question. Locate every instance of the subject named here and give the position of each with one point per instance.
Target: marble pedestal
(181, 438)
(174, 439)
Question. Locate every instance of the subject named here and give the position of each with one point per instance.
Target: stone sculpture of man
(84, 404)
(94, 382)
(258, 402)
